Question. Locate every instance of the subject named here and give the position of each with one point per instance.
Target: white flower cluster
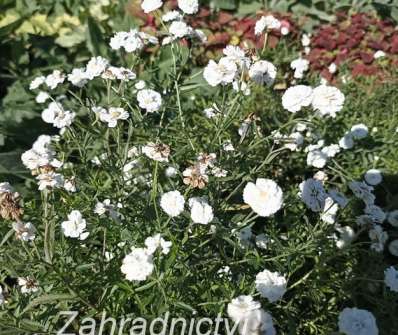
(325, 100)
(250, 317)
(354, 321)
(231, 68)
(131, 41)
(138, 264)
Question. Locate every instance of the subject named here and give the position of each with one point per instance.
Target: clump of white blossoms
(250, 317)
(264, 197)
(354, 321)
(271, 285)
(172, 203)
(299, 65)
(138, 265)
(391, 278)
(57, 116)
(131, 41)
(156, 242)
(75, 226)
(268, 22)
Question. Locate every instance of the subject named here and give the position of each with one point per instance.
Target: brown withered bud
(195, 176)
(9, 206)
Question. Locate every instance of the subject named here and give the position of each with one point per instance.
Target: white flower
(37, 82)
(149, 100)
(50, 180)
(359, 131)
(299, 66)
(251, 318)
(101, 208)
(70, 185)
(95, 67)
(378, 238)
(354, 321)
(42, 97)
(317, 158)
(28, 285)
(210, 112)
(375, 212)
(75, 226)
(327, 100)
(347, 141)
(306, 40)
(180, 29)
(296, 97)
(331, 150)
(271, 285)
(218, 172)
(171, 172)
(373, 177)
(313, 194)
(140, 84)
(78, 77)
(40, 155)
(158, 152)
(120, 73)
(379, 54)
(263, 72)
(112, 115)
(347, 235)
(391, 278)
(24, 231)
(172, 203)
(171, 16)
(393, 248)
(222, 73)
(57, 116)
(264, 197)
(262, 241)
(6, 187)
(329, 211)
(157, 242)
(393, 218)
(188, 6)
(132, 40)
(228, 146)
(54, 79)
(237, 55)
(332, 68)
(201, 211)
(362, 191)
(266, 22)
(138, 265)
(151, 5)
(239, 307)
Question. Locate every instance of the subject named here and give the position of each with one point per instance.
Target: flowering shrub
(365, 44)
(168, 191)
